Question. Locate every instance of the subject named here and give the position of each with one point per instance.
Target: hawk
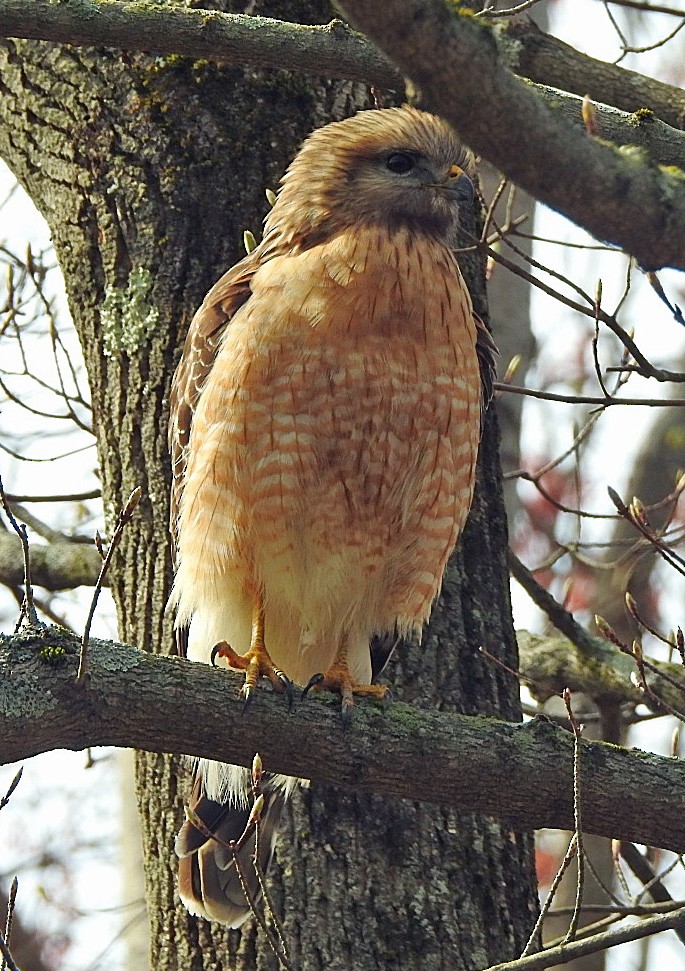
(325, 421)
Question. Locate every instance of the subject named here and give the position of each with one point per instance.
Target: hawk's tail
(214, 881)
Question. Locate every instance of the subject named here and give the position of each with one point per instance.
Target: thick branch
(599, 670)
(333, 51)
(616, 196)
(533, 54)
(164, 704)
(57, 566)
(665, 145)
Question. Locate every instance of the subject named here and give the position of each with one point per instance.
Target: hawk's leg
(338, 679)
(256, 662)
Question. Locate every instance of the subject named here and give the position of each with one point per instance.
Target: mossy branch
(529, 52)
(332, 50)
(165, 704)
(603, 673)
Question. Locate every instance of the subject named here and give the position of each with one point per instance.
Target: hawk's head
(394, 167)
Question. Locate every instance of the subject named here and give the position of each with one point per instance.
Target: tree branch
(599, 670)
(57, 566)
(665, 145)
(165, 704)
(333, 50)
(540, 57)
(564, 953)
(617, 196)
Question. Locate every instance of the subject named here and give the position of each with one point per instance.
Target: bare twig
(583, 399)
(564, 953)
(275, 933)
(509, 12)
(544, 910)
(28, 608)
(11, 900)
(63, 497)
(577, 817)
(124, 518)
(7, 955)
(13, 785)
(650, 7)
(635, 515)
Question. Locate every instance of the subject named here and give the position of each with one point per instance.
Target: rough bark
(532, 53)
(148, 169)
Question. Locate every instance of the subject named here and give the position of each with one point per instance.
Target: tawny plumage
(325, 423)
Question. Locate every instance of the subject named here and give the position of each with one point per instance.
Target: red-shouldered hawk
(325, 420)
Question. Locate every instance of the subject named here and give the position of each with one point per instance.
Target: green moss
(640, 116)
(52, 654)
(673, 171)
(128, 317)
(635, 153)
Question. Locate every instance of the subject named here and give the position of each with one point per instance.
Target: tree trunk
(148, 170)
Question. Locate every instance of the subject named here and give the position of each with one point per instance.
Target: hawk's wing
(199, 352)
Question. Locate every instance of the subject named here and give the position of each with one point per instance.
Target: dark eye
(399, 163)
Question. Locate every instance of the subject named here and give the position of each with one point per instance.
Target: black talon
(347, 706)
(314, 680)
(213, 655)
(287, 687)
(248, 695)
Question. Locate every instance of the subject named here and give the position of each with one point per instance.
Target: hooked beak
(457, 185)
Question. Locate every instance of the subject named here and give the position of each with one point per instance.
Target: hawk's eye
(400, 163)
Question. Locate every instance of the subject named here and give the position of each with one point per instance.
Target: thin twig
(646, 368)
(652, 882)
(28, 607)
(564, 953)
(544, 910)
(11, 900)
(580, 399)
(577, 817)
(13, 785)
(621, 910)
(65, 497)
(509, 12)
(650, 7)
(635, 515)
(7, 955)
(124, 517)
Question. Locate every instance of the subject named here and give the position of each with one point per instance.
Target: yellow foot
(338, 679)
(256, 663)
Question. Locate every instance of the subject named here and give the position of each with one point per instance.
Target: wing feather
(207, 327)
(199, 353)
